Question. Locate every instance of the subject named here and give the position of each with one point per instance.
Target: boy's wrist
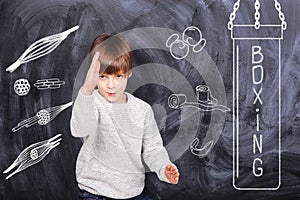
(86, 91)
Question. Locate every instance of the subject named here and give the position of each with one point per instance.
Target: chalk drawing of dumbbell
(179, 48)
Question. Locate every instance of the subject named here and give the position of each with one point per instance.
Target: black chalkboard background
(24, 22)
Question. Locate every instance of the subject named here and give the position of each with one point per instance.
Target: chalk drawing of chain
(257, 14)
(41, 48)
(43, 117)
(22, 86)
(179, 49)
(233, 14)
(206, 102)
(33, 154)
(281, 15)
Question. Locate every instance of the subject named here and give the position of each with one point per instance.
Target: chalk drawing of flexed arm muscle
(33, 154)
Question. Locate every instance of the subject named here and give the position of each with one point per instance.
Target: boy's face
(112, 87)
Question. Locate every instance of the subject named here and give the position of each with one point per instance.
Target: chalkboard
(227, 107)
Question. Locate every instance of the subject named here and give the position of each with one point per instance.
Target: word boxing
(257, 80)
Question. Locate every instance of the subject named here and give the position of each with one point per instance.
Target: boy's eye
(102, 77)
(120, 76)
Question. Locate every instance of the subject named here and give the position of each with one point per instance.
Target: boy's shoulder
(138, 102)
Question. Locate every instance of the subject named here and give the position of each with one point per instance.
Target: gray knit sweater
(118, 139)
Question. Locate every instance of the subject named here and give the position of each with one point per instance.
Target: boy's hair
(115, 54)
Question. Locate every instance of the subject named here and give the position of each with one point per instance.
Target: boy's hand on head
(172, 173)
(92, 76)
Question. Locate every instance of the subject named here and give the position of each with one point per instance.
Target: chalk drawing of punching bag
(256, 99)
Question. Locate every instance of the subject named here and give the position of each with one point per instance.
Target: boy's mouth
(110, 94)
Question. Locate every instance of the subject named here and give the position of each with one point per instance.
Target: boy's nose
(111, 84)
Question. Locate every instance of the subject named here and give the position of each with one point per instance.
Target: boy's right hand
(172, 173)
(92, 76)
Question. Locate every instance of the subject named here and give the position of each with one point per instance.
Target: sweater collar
(102, 99)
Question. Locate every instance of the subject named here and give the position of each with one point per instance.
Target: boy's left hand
(172, 173)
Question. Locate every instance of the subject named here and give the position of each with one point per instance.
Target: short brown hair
(115, 53)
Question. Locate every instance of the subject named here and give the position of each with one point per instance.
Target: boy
(119, 130)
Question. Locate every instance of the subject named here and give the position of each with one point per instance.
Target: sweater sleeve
(84, 116)
(154, 153)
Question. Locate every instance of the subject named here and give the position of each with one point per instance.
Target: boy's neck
(122, 100)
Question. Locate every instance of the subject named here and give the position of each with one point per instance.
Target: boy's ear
(129, 73)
